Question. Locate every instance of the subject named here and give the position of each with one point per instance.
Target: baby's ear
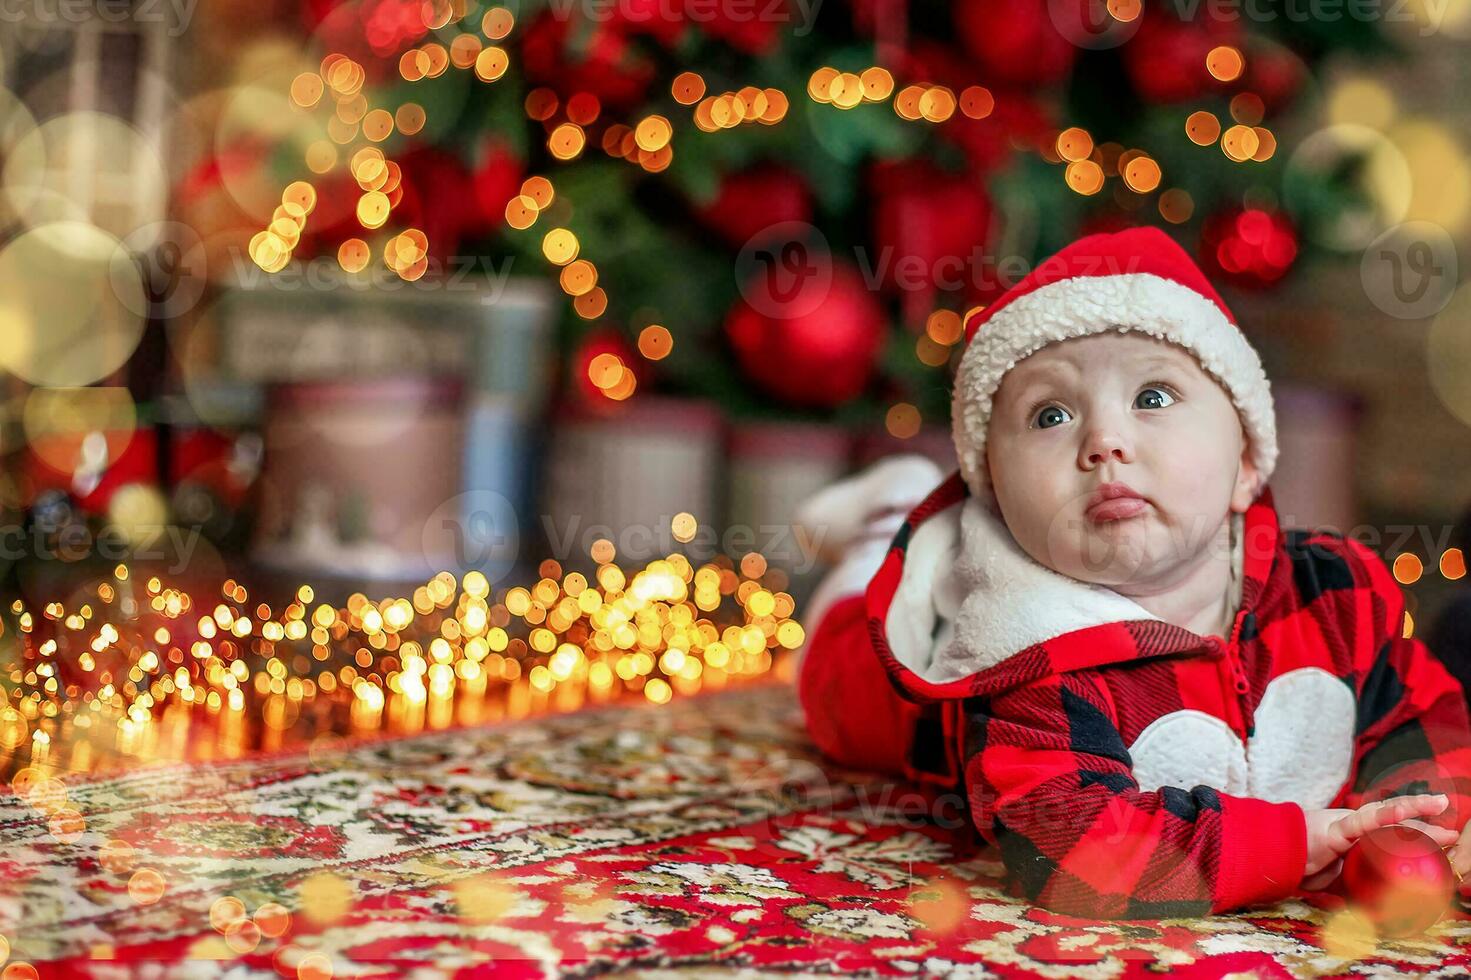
(1248, 479)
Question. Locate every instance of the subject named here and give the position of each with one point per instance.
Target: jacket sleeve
(853, 713)
(1412, 734)
(1051, 783)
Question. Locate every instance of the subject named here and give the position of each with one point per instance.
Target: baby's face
(1117, 408)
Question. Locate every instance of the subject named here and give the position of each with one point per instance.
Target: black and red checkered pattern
(1039, 743)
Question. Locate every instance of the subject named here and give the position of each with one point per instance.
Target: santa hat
(1138, 279)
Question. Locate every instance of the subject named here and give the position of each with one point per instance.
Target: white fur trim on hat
(1085, 305)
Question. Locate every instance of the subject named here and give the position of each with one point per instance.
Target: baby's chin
(1113, 554)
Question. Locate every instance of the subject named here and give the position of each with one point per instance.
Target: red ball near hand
(1400, 879)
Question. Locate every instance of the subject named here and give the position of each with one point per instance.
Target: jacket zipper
(1236, 676)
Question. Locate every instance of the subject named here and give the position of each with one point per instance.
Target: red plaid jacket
(1136, 769)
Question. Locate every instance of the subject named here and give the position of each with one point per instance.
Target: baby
(1156, 700)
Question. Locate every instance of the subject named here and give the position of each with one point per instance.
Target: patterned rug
(669, 840)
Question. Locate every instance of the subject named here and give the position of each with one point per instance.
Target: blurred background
(455, 317)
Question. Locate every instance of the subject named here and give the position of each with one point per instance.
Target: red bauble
(1248, 246)
(496, 179)
(1274, 73)
(1166, 59)
(930, 228)
(822, 351)
(755, 199)
(1400, 879)
(1014, 42)
(607, 65)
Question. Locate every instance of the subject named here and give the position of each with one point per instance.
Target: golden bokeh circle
(68, 292)
(40, 176)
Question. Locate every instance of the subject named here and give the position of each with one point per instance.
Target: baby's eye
(1151, 398)
(1048, 417)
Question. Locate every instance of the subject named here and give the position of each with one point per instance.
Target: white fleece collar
(970, 597)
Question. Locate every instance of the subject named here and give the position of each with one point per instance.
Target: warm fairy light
(578, 277)
(1084, 176)
(1141, 174)
(977, 102)
(560, 246)
(1453, 564)
(372, 210)
(1224, 63)
(683, 527)
(1247, 108)
(306, 89)
(491, 63)
(541, 104)
(1240, 143)
(687, 88)
(930, 353)
(378, 125)
(497, 23)
(1203, 128)
(591, 305)
(539, 189)
(877, 84)
(1176, 205)
(902, 421)
(521, 212)
(1408, 568)
(943, 327)
(1266, 144)
(937, 104)
(567, 141)
(655, 342)
(1074, 144)
(1124, 11)
(652, 133)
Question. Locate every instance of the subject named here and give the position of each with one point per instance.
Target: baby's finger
(1385, 812)
(1443, 836)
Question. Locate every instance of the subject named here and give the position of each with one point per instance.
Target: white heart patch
(1300, 752)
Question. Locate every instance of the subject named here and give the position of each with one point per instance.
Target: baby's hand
(1332, 832)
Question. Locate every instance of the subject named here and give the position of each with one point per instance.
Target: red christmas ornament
(819, 353)
(929, 227)
(755, 199)
(1274, 73)
(1248, 246)
(1400, 879)
(605, 62)
(1014, 42)
(1166, 59)
(754, 30)
(496, 180)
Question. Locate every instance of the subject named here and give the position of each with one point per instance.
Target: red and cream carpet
(699, 835)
